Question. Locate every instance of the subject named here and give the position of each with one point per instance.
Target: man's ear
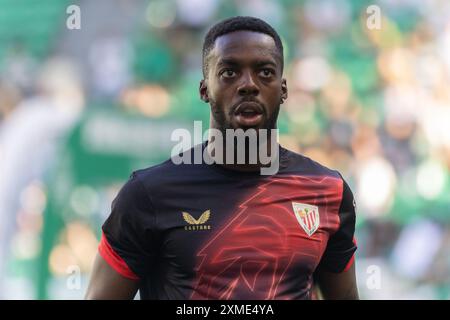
(284, 90)
(203, 90)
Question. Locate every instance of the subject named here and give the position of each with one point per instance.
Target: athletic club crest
(308, 217)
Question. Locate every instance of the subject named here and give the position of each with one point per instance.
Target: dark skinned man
(224, 230)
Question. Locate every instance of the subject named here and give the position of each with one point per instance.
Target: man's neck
(247, 166)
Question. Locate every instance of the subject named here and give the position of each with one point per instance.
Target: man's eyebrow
(228, 62)
(265, 62)
(235, 62)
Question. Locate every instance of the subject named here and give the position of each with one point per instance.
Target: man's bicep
(107, 283)
(338, 285)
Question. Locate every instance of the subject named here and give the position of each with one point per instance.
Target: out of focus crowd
(81, 108)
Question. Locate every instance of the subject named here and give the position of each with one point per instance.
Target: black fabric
(341, 245)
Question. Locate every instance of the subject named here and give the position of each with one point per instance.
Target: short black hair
(238, 23)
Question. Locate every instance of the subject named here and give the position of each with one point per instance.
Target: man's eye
(228, 73)
(266, 73)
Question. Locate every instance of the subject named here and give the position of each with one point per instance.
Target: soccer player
(225, 231)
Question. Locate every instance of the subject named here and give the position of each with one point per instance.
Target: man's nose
(248, 86)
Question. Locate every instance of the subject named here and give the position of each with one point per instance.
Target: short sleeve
(127, 243)
(341, 246)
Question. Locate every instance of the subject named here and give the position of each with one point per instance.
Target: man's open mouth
(248, 114)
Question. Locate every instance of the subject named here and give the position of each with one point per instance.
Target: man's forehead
(231, 44)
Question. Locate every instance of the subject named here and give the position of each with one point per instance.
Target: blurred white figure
(109, 59)
(328, 15)
(19, 68)
(416, 249)
(196, 12)
(29, 139)
(377, 182)
(268, 10)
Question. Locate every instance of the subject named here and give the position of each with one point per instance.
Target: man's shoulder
(305, 166)
(155, 171)
(169, 170)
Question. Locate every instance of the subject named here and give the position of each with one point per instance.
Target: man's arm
(338, 286)
(335, 274)
(107, 284)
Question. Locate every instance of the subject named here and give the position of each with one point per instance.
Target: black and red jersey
(199, 231)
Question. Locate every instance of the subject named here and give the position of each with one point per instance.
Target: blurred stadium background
(81, 109)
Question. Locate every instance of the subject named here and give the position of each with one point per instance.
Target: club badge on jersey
(307, 216)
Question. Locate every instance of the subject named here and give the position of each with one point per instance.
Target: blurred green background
(80, 109)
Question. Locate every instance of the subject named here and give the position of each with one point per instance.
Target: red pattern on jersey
(260, 250)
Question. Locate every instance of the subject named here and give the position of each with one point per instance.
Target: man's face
(244, 83)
